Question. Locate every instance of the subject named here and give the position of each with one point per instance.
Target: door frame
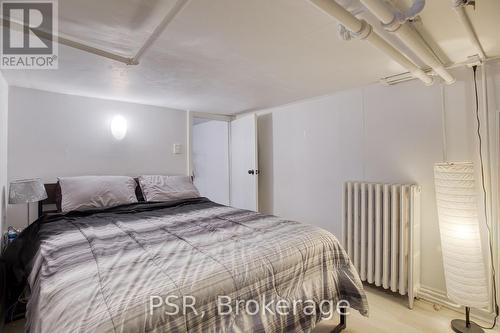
(189, 147)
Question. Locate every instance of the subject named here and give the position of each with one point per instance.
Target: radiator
(381, 234)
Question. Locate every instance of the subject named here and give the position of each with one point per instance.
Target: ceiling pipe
(459, 7)
(406, 33)
(363, 30)
(415, 9)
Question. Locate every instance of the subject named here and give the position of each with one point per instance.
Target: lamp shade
(26, 190)
(464, 266)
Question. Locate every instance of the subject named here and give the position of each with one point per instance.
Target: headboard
(53, 190)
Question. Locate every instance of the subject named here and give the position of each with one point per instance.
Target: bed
(127, 269)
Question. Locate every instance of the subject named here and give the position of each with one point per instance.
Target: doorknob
(251, 172)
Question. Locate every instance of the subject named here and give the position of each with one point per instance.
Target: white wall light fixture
(465, 270)
(119, 127)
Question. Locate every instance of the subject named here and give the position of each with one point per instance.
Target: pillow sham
(58, 196)
(157, 188)
(91, 192)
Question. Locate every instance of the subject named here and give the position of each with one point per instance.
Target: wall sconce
(119, 127)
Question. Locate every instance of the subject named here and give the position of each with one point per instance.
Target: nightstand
(18, 310)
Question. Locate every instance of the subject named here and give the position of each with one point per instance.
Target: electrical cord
(490, 240)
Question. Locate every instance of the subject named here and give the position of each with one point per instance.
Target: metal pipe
(464, 18)
(365, 31)
(416, 8)
(391, 51)
(342, 15)
(381, 10)
(408, 35)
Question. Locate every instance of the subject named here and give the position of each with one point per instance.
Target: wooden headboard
(53, 190)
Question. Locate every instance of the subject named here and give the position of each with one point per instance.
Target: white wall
(4, 97)
(211, 159)
(53, 135)
(494, 111)
(377, 133)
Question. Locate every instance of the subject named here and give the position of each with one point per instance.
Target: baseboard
(439, 297)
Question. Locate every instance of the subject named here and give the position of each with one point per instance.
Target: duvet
(184, 266)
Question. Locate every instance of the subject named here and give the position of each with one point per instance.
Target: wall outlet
(177, 149)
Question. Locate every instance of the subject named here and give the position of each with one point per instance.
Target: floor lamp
(465, 270)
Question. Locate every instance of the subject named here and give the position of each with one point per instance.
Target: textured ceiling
(229, 56)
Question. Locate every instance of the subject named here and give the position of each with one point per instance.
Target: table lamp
(27, 191)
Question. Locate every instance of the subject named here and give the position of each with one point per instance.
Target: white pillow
(166, 188)
(90, 192)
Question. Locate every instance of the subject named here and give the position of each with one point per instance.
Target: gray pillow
(167, 188)
(91, 192)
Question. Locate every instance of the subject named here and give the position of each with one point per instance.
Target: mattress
(189, 265)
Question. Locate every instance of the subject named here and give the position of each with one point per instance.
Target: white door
(244, 163)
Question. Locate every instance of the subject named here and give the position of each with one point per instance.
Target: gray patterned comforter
(129, 268)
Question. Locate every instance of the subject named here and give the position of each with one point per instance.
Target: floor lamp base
(460, 326)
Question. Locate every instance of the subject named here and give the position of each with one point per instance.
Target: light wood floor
(388, 314)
